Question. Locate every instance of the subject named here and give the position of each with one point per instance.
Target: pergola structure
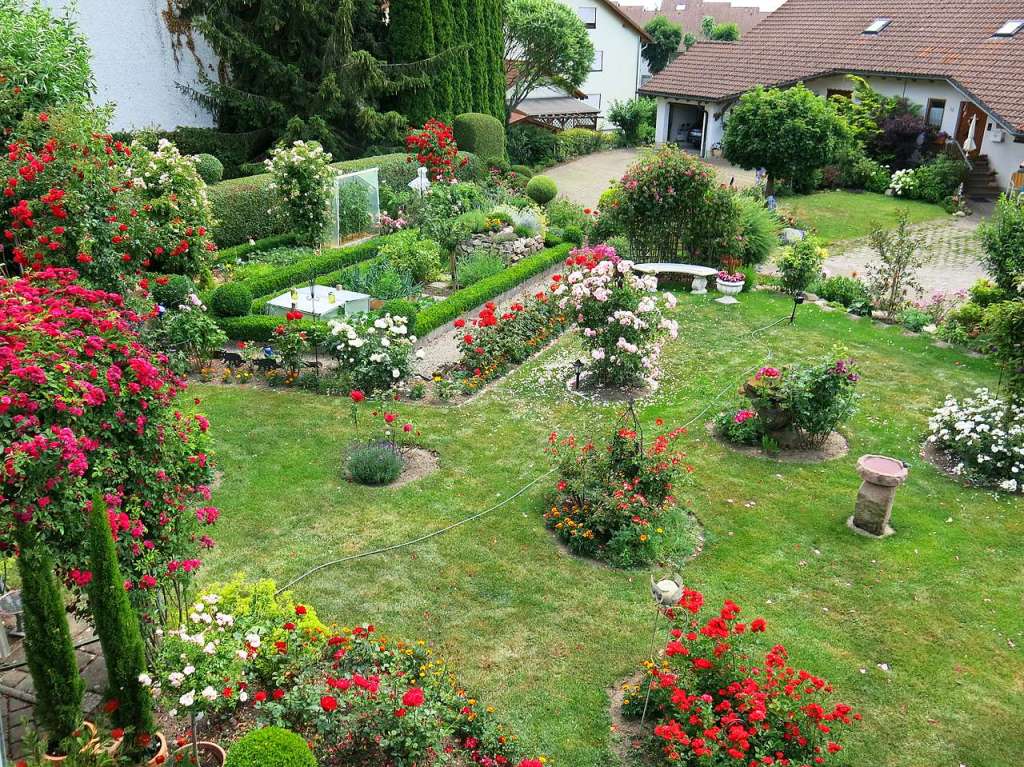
(556, 113)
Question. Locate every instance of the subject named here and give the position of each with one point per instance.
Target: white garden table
(700, 274)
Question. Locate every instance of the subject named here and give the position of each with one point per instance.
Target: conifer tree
(445, 87)
(462, 72)
(411, 38)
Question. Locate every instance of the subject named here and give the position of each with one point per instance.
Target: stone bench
(700, 274)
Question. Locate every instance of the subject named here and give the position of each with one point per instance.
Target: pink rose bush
(86, 407)
(620, 315)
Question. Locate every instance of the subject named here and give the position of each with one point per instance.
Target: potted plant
(730, 283)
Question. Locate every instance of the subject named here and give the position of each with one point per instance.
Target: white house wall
(620, 44)
(136, 66)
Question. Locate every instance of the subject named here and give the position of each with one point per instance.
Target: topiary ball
(172, 290)
(231, 300)
(481, 134)
(270, 747)
(209, 168)
(542, 189)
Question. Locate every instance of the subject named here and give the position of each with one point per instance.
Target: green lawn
(839, 215)
(542, 636)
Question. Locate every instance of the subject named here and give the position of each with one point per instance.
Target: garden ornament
(421, 183)
(881, 477)
(668, 591)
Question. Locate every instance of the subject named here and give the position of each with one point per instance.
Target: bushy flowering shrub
(304, 182)
(985, 436)
(619, 315)
(85, 407)
(492, 342)
(174, 213)
(719, 697)
(373, 351)
(612, 500)
(435, 149)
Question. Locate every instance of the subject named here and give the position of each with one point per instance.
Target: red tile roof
(693, 11)
(803, 39)
(627, 19)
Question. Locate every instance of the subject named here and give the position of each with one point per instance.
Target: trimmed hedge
(231, 300)
(258, 327)
(336, 277)
(209, 168)
(227, 255)
(270, 747)
(232, 149)
(461, 301)
(298, 272)
(241, 205)
(481, 134)
(542, 189)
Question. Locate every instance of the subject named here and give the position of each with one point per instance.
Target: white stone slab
(319, 302)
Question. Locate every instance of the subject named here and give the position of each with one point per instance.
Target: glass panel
(355, 206)
(589, 16)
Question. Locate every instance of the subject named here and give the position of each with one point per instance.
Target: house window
(933, 114)
(594, 100)
(877, 26)
(598, 64)
(589, 16)
(838, 92)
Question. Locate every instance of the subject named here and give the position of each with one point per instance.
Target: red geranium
(413, 697)
(328, 703)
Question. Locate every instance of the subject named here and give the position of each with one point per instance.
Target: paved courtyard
(583, 180)
(950, 244)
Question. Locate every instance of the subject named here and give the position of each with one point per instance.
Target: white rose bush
(304, 182)
(373, 352)
(620, 315)
(984, 435)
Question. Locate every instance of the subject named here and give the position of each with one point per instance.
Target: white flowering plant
(303, 181)
(903, 182)
(171, 232)
(620, 315)
(373, 351)
(984, 434)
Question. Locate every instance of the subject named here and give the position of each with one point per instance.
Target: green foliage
(666, 36)
(936, 180)
(171, 291)
(242, 252)
(522, 170)
(195, 334)
(891, 278)
(48, 647)
(329, 260)
(800, 264)
(550, 46)
(379, 279)
(542, 189)
(407, 253)
(313, 71)
(270, 747)
(531, 145)
(399, 307)
(44, 56)
(481, 134)
(234, 150)
(117, 626)
(354, 208)
(759, 229)
(984, 293)
(576, 142)
(477, 266)
(259, 327)
(437, 314)
(726, 31)
(847, 291)
(635, 118)
(1004, 329)
(914, 319)
(791, 133)
(864, 173)
(374, 464)
(244, 209)
(209, 168)
(1003, 237)
(231, 300)
(741, 427)
(474, 221)
(304, 183)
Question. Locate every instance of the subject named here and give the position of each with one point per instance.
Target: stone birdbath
(881, 477)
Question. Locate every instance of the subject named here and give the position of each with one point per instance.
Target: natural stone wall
(505, 242)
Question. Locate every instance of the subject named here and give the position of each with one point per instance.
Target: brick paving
(952, 246)
(16, 685)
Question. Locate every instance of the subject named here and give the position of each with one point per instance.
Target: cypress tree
(411, 38)
(118, 628)
(445, 88)
(462, 72)
(494, 26)
(48, 647)
(479, 63)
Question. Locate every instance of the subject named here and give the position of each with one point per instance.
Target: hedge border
(461, 301)
(267, 243)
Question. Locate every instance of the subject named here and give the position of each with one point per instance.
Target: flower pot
(210, 755)
(375, 304)
(160, 757)
(90, 744)
(729, 288)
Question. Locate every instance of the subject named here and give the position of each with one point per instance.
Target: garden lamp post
(798, 299)
(578, 367)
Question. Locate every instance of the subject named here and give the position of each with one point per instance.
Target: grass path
(541, 635)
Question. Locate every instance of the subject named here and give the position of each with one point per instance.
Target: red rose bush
(718, 697)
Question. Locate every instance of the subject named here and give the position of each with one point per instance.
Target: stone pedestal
(881, 477)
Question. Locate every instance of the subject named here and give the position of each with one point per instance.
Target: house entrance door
(971, 115)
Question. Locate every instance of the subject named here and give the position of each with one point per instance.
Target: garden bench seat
(700, 274)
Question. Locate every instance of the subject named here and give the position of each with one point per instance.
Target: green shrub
(1003, 237)
(635, 118)
(461, 301)
(759, 228)
(406, 252)
(231, 300)
(985, 293)
(209, 168)
(576, 142)
(374, 464)
(481, 134)
(937, 179)
(842, 290)
(1004, 329)
(478, 266)
(260, 327)
(474, 221)
(270, 747)
(542, 189)
(172, 290)
(914, 319)
(963, 323)
(522, 170)
(244, 209)
(329, 260)
(740, 427)
(864, 173)
(400, 307)
(531, 145)
(251, 169)
(750, 278)
(800, 264)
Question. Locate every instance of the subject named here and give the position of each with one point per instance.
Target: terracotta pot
(210, 755)
(91, 744)
(375, 304)
(160, 757)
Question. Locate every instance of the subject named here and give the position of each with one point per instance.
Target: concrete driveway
(584, 179)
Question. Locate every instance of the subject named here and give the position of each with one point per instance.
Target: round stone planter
(729, 288)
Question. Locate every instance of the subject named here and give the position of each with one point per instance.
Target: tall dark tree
(477, 55)
(313, 69)
(445, 42)
(463, 74)
(411, 38)
(494, 24)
